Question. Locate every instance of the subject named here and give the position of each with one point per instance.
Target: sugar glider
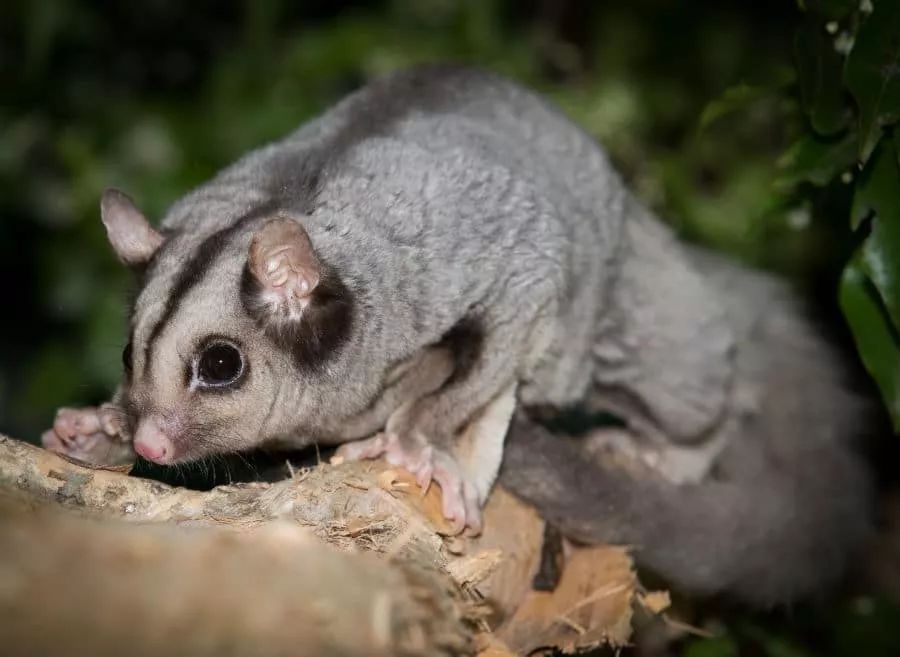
(438, 248)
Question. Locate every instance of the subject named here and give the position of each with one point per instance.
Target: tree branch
(338, 560)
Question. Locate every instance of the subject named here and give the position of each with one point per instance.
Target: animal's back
(447, 111)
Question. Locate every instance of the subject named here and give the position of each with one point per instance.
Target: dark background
(153, 97)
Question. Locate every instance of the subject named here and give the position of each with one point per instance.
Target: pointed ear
(132, 237)
(284, 265)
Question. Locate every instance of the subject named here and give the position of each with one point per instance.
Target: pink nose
(151, 442)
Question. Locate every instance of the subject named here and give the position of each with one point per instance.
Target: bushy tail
(763, 542)
(788, 500)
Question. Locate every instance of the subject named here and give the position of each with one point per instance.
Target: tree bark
(337, 560)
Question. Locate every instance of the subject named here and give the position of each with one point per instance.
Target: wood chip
(468, 571)
(592, 605)
(655, 602)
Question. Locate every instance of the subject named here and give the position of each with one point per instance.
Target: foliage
(848, 66)
(847, 60)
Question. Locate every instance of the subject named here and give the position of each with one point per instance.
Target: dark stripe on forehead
(140, 275)
(194, 271)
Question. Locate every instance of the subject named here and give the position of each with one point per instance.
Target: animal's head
(228, 334)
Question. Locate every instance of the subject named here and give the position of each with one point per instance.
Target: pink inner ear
(284, 262)
(132, 237)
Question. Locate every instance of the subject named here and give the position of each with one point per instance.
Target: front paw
(459, 497)
(91, 434)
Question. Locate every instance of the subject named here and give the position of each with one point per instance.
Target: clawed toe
(83, 433)
(51, 440)
(459, 499)
(110, 420)
(419, 462)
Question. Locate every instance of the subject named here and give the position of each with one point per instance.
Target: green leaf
(739, 97)
(877, 342)
(816, 160)
(878, 197)
(872, 74)
(819, 74)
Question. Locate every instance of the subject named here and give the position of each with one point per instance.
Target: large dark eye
(127, 356)
(220, 364)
